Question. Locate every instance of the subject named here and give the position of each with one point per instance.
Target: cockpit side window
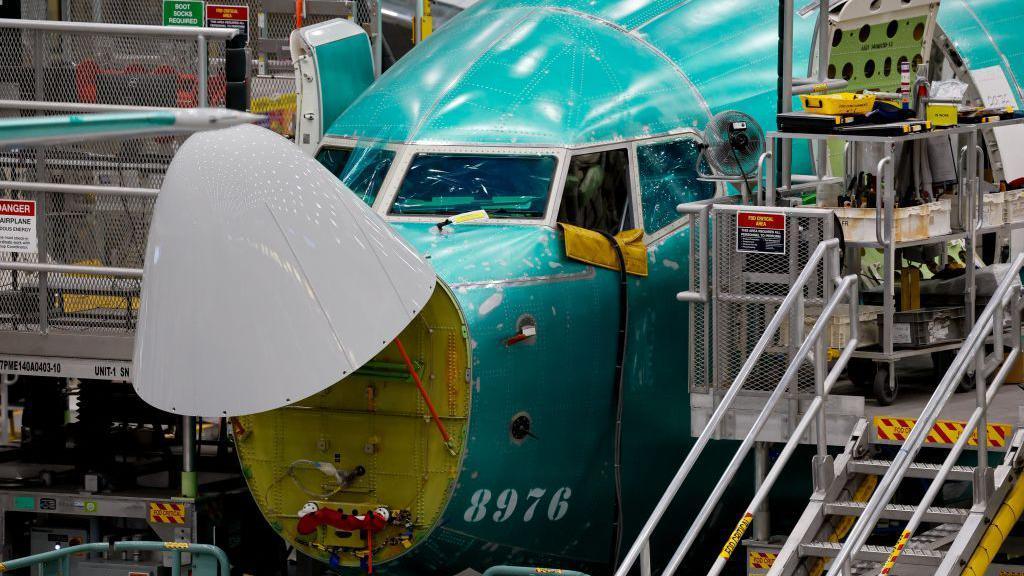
(668, 177)
(596, 194)
(362, 169)
(510, 186)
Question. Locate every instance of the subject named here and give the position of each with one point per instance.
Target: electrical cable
(618, 393)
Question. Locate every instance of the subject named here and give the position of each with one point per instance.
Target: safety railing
(59, 561)
(92, 201)
(990, 324)
(826, 254)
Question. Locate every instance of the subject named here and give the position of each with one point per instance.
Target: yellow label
(469, 216)
(761, 560)
(547, 571)
(166, 513)
(895, 553)
(737, 534)
(176, 545)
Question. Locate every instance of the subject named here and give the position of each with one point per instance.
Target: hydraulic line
(620, 361)
(426, 398)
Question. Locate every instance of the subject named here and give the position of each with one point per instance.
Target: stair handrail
(793, 297)
(848, 285)
(972, 424)
(62, 556)
(972, 346)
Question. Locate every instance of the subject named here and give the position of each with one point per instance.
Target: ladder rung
(900, 512)
(872, 553)
(916, 470)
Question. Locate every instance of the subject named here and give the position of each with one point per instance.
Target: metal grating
(749, 287)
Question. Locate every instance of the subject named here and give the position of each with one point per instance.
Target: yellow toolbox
(943, 114)
(842, 104)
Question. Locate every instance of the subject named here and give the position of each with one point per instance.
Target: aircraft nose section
(266, 280)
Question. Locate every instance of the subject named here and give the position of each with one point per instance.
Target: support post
(189, 481)
(203, 98)
(762, 520)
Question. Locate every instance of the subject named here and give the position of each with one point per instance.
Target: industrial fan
(732, 148)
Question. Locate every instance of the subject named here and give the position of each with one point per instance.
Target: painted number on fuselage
(507, 500)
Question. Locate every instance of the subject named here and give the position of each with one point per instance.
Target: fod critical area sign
(761, 232)
(18, 226)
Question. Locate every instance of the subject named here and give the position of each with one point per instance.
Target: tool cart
(964, 213)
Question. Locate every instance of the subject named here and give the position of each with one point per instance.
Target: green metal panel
(345, 68)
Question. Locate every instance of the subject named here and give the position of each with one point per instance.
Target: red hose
(423, 391)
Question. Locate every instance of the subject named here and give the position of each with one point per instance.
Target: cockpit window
(596, 193)
(362, 170)
(506, 186)
(668, 177)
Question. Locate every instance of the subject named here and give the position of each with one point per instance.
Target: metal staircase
(856, 490)
(831, 513)
(818, 270)
(816, 536)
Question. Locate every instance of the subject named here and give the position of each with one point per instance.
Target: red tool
(423, 392)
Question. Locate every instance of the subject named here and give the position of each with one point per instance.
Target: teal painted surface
(25, 129)
(563, 381)
(345, 68)
(569, 73)
(987, 33)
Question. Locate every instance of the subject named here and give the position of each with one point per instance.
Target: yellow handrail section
(997, 532)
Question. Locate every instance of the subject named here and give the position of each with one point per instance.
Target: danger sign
(224, 16)
(761, 232)
(166, 513)
(18, 226)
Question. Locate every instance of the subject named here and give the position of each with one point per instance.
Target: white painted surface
(266, 280)
(995, 90)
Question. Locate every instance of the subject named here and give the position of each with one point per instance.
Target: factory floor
(917, 383)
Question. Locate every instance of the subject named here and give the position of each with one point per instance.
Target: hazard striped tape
(891, 561)
(889, 429)
(761, 560)
(166, 513)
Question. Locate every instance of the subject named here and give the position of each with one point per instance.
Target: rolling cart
(911, 333)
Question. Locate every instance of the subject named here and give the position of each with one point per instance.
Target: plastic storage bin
(1014, 206)
(926, 327)
(837, 333)
(912, 223)
(994, 209)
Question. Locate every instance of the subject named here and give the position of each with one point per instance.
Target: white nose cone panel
(266, 280)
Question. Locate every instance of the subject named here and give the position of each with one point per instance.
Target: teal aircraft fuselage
(543, 112)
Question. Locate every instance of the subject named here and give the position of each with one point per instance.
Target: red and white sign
(18, 226)
(761, 232)
(225, 16)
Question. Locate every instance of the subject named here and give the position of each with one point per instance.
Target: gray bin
(926, 327)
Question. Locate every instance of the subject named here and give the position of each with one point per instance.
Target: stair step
(871, 553)
(900, 512)
(916, 470)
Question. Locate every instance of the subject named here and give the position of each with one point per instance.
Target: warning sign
(761, 561)
(761, 232)
(896, 431)
(18, 226)
(224, 16)
(166, 513)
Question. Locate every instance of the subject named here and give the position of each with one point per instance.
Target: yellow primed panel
(378, 422)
